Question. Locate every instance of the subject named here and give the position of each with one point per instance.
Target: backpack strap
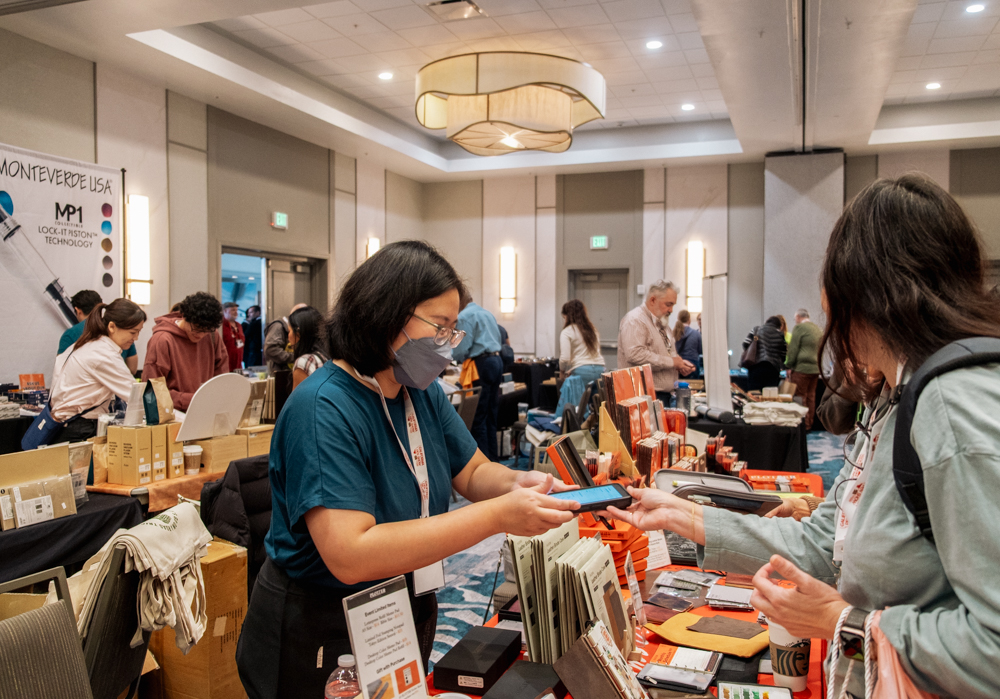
(906, 468)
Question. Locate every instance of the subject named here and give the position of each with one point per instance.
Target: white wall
(187, 180)
(132, 134)
(933, 163)
(803, 198)
(370, 206)
(509, 220)
(654, 195)
(696, 211)
(546, 304)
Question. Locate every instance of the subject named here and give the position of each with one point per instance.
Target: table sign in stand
(384, 640)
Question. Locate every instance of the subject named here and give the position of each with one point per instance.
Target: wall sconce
(139, 285)
(695, 275)
(508, 280)
(373, 246)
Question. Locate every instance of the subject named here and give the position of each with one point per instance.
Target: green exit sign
(598, 242)
(279, 220)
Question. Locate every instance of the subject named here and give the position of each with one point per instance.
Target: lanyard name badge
(429, 578)
(859, 473)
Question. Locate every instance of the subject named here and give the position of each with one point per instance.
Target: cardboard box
(15, 603)
(37, 464)
(219, 451)
(208, 671)
(258, 439)
(159, 440)
(175, 451)
(6, 509)
(44, 500)
(130, 455)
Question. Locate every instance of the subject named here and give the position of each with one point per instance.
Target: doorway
(605, 294)
(243, 281)
(290, 282)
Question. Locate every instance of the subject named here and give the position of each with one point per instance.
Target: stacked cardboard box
(35, 486)
(208, 671)
(219, 451)
(258, 439)
(130, 455)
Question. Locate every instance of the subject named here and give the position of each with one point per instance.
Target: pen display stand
(611, 440)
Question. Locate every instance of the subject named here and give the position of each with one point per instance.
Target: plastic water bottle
(343, 682)
(683, 396)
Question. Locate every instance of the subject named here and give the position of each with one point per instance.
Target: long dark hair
(683, 318)
(905, 264)
(308, 325)
(122, 312)
(576, 314)
(379, 298)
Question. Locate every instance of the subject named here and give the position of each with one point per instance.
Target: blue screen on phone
(589, 495)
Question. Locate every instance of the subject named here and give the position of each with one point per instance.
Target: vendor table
(67, 540)
(814, 688)
(11, 432)
(160, 496)
(763, 447)
(532, 374)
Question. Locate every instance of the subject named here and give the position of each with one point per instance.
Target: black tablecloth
(763, 447)
(68, 540)
(507, 414)
(11, 432)
(532, 374)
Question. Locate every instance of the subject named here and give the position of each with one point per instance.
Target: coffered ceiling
(757, 76)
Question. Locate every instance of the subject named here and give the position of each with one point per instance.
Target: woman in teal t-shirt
(363, 459)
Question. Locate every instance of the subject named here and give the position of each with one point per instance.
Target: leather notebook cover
(582, 673)
(527, 680)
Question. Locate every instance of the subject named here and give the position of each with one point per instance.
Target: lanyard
(859, 473)
(418, 463)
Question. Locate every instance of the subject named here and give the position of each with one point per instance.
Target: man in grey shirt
(642, 339)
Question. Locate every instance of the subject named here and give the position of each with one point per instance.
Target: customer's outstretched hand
(654, 509)
(808, 610)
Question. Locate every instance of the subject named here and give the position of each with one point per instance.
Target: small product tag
(319, 658)
(467, 681)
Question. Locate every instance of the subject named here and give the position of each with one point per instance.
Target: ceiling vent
(13, 7)
(452, 10)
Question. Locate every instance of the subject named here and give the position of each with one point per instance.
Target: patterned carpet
(469, 575)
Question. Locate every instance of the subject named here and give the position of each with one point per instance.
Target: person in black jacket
(771, 349)
(254, 347)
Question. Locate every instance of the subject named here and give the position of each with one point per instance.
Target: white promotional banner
(60, 232)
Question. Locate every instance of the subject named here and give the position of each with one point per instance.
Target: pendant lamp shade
(504, 101)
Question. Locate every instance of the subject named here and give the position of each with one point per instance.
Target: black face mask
(420, 361)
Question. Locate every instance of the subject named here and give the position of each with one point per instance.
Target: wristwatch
(852, 634)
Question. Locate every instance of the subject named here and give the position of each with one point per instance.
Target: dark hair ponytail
(122, 312)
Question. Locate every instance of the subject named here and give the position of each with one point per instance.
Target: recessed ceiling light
(975, 8)
(251, 278)
(385, 76)
(687, 107)
(235, 277)
(654, 44)
(933, 86)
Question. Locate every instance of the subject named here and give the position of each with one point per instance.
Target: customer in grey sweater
(902, 278)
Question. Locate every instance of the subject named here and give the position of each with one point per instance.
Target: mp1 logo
(68, 211)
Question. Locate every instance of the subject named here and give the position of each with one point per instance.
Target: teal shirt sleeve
(70, 336)
(956, 651)
(130, 352)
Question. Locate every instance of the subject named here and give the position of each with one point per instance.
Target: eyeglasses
(444, 334)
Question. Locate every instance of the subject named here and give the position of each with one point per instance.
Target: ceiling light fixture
(385, 76)
(480, 99)
(687, 107)
(975, 8)
(933, 86)
(654, 44)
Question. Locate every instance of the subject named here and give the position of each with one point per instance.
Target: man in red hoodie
(185, 348)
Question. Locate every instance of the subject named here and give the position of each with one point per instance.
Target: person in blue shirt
(364, 457)
(83, 303)
(482, 345)
(687, 340)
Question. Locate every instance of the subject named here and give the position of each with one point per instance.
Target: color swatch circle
(106, 228)
(106, 210)
(7, 203)
(106, 245)
(107, 262)
(108, 280)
